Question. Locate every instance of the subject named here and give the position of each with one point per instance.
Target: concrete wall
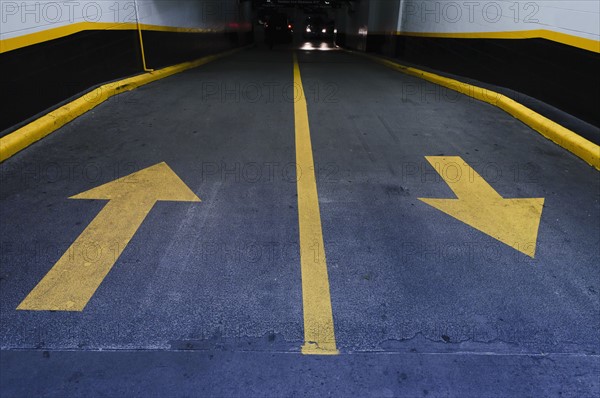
(22, 18)
(576, 18)
(52, 50)
(575, 23)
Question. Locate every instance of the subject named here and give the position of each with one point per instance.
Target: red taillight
(289, 26)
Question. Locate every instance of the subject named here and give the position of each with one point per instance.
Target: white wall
(577, 18)
(19, 18)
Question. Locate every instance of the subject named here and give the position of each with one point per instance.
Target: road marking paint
(72, 281)
(319, 335)
(514, 222)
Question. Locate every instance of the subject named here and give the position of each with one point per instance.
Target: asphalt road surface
(154, 293)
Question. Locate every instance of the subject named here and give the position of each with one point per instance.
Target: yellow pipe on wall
(139, 29)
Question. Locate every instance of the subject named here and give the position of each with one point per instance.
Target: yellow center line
(319, 335)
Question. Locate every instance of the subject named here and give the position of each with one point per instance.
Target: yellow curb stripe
(319, 335)
(562, 136)
(41, 127)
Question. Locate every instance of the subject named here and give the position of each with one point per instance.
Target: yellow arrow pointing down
(72, 281)
(514, 222)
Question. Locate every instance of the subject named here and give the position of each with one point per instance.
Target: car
(278, 29)
(318, 28)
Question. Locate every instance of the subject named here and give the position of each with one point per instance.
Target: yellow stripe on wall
(62, 31)
(14, 43)
(570, 40)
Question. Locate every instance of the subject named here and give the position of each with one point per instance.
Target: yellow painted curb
(39, 128)
(25, 40)
(562, 136)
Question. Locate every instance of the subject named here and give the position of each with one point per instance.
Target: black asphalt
(207, 300)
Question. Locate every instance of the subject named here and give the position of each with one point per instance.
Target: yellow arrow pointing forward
(511, 221)
(70, 284)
